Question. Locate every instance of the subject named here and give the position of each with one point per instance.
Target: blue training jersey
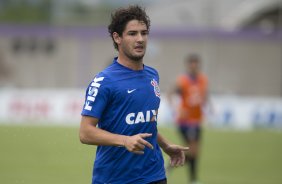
(126, 102)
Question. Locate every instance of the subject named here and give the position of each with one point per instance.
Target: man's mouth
(140, 47)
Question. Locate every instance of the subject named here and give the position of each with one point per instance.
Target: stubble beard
(134, 58)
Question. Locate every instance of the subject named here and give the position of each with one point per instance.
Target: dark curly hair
(122, 16)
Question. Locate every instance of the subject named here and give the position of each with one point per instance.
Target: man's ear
(116, 38)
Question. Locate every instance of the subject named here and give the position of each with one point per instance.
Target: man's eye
(145, 33)
(132, 33)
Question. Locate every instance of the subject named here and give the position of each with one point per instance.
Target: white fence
(41, 106)
(63, 107)
(245, 112)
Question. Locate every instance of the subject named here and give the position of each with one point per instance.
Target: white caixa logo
(93, 92)
(141, 117)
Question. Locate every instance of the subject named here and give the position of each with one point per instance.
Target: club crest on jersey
(156, 88)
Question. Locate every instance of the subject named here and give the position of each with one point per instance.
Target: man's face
(133, 41)
(193, 67)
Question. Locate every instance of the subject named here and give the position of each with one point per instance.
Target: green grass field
(54, 155)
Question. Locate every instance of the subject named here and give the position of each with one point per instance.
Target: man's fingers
(140, 146)
(138, 152)
(182, 159)
(146, 143)
(179, 162)
(145, 135)
(172, 162)
(182, 148)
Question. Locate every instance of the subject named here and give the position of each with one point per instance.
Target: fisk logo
(141, 117)
(93, 92)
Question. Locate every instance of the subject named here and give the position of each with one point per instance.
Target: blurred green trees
(69, 12)
(25, 11)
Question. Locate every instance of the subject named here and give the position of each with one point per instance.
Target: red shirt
(193, 97)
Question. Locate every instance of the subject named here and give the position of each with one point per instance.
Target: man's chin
(137, 57)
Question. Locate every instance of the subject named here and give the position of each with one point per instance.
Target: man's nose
(140, 37)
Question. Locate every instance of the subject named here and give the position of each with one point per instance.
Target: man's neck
(193, 76)
(134, 65)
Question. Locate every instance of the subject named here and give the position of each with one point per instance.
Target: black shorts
(190, 132)
(163, 181)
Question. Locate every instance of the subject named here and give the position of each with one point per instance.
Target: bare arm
(175, 152)
(92, 135)
(162, 141)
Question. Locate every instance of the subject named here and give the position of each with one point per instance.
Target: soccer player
(121, 109)
(192, 89)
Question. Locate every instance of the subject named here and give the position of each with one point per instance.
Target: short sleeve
(180, 82)
(96, 98)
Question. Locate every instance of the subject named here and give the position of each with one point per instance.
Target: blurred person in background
(121, 109)
(192, 90)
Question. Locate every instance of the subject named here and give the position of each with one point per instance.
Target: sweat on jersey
(126, 102)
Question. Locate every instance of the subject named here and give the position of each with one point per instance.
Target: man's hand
(136, 143)
(176, 154)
